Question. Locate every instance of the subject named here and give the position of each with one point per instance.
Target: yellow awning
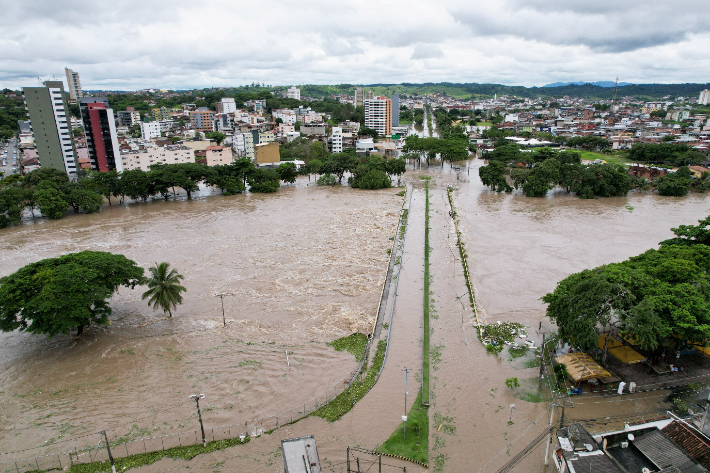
(627, 355)
(703, 350)
(581, 366)
(612, 342)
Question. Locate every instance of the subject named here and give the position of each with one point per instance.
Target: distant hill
(483, 91)
(601, 83)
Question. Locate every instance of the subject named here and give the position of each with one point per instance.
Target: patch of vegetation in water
(354, 343)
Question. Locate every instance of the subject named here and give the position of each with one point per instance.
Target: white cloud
(131, 44)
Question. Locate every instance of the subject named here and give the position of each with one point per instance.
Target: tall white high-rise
(74, 85)
(378, 115)
(704, 98)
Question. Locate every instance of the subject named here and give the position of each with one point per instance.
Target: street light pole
(110, 457)
(221, 297)
(404, 417)
(196, 398)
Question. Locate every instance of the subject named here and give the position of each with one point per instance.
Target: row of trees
(372, 172)
(453, 146)
(661, 297)
(545, 169)
(50, 191)
(665, 153)
(56, 295)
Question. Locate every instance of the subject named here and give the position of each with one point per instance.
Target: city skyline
(132, 45)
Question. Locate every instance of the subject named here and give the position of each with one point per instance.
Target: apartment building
(146, 157)
(161, 113)
(150, 130)
(74, 85)
(378, 115)
(244, 143)
(129, 117)
(47, 107)
(287, 116)
(202, 119)
(293, 93)
(226, 105)
(101, 136)
(218, 155)
(704, 97)
(361, 96)
(335, 140)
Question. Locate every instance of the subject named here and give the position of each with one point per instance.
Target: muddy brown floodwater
(302, 267)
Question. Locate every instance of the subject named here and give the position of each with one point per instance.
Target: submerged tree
(56, 295)
(164, 288)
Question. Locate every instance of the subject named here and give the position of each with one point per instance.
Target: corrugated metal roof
(664, 453)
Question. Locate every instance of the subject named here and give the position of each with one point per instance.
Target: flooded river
(302, 267)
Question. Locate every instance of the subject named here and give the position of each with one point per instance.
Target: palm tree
(164, 288)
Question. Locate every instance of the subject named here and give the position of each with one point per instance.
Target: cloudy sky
(133, 44)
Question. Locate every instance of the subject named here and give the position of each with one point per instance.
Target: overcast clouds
(133, 44)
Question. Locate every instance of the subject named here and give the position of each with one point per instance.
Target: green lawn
(609, 158)
(416, 446)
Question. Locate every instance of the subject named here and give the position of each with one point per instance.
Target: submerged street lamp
(196, 398)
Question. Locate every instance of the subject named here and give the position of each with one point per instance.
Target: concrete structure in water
(74, 85)
(101, 136)
(48, 109)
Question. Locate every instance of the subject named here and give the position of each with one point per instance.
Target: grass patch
(425, 338)
(401, 193)
(416, 446)
(609, 158)
(354, 343)
(527, 391)
(403, 227)
(141, 459)
(517, 352)
(344, 401)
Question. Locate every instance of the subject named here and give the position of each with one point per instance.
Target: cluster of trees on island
(52, 193)
(660, 299)
(543, 169)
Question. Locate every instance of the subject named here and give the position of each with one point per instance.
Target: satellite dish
(631, 437)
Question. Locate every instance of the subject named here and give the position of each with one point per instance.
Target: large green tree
(56, 295)
(661, 296)
(164, 288)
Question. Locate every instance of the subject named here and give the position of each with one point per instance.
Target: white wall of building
(150, 130)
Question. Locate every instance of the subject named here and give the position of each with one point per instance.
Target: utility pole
(549, 433)
(224, 320)
(404, 417)
(542, 364)
(110, 457)
(196, 398)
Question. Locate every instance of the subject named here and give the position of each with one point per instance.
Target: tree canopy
(662, 297)
(56, 295)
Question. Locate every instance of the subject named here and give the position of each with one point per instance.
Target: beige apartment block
(218, 155)
(147, 157)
